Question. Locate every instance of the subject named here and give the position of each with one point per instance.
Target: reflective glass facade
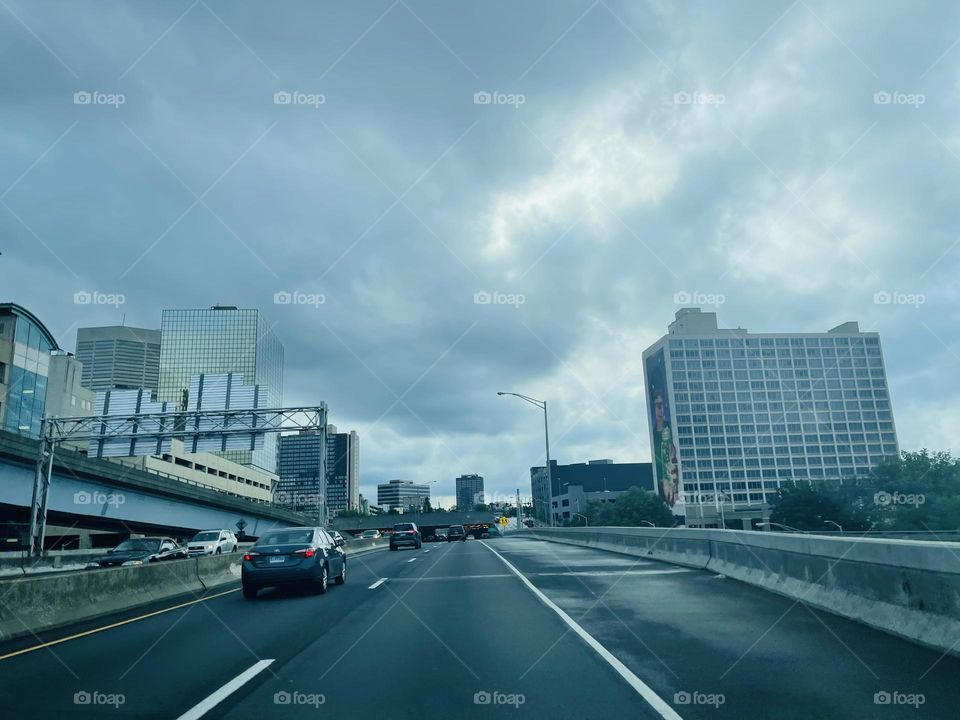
(751, 411)
(222, 340)
(300, 465)
(25, 355)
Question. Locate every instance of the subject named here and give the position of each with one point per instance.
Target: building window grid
(866, 386)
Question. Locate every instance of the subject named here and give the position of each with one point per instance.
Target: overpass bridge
(92, 502)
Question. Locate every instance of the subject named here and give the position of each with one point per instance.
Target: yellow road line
(116, 624)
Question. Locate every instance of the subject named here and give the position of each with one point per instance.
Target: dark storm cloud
(633, 152)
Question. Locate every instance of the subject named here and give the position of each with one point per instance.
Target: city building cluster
(316, 472)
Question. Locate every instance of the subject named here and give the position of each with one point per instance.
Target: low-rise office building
(208, 470)
(577, 484)
(402, 495)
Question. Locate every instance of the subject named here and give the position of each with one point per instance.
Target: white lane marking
(377, 584)
(425, 552)
(645, 691)
(412, 560)
(204, 706)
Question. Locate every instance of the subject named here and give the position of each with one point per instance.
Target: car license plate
(277, 560)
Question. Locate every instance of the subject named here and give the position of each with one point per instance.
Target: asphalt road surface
(482, 629)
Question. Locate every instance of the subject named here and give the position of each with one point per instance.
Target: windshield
(200, 537)
(286, 537)
(148, 544)
(662, 297)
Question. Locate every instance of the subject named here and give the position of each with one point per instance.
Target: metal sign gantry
(156, 427)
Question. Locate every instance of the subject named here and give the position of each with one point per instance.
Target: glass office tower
(223, 339)
(733, 414)
(25, 346)
(301, 466)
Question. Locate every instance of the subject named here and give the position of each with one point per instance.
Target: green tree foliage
(630, 509)
(916, 491)
(427, 507)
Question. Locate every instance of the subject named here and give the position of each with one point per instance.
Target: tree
(634, 507)
(479, 507)
(427, 507)
(915, 491)
(808, 507)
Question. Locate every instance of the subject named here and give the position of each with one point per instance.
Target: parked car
(371, 534)
(430, 538)
(405, 534)
(138, 551)
(212, 542)
(456, 532)
(441, 534)
(306, 556)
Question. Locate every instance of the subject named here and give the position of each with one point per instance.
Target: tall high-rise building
(25, 346)
(301, 465)
(734, 414)
(343, 470)
(469, 489)
(402, 495)
(119, 358)
(223, 339)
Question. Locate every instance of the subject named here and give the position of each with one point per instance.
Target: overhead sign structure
(149, 431)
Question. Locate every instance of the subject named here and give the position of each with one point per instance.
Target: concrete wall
(909, 588)
(32, 605)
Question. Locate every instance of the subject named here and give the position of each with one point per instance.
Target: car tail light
(306, 552)
(249, 556)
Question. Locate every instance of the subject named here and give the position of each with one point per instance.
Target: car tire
(321, 584)
(249, 592)
(342, 577)
(218, 551)
(393, 547)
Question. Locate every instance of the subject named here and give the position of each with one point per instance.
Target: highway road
(502, 628)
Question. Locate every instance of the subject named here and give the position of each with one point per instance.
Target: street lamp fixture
(647, 522)
(542, 404)
(836, 525)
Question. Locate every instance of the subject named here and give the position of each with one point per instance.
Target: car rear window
(402, 527)
(287, 537)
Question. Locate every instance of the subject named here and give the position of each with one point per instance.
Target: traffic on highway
(471, 629)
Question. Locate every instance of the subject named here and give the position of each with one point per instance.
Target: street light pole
(542, 404)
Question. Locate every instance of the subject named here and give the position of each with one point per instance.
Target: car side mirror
(340, 542)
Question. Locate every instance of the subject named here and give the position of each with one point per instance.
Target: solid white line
(202, 708)
(412, 560)
(645, 691)
(377, 584)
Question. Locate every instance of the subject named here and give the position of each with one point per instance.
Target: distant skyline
(432, 202)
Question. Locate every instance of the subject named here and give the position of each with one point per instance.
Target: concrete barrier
(18, 563)
(909, 588)
(31, 605)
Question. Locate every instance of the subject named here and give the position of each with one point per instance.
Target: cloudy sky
(586, 164)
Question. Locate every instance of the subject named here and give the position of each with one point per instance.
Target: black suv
(456, 532)
(405, 534)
